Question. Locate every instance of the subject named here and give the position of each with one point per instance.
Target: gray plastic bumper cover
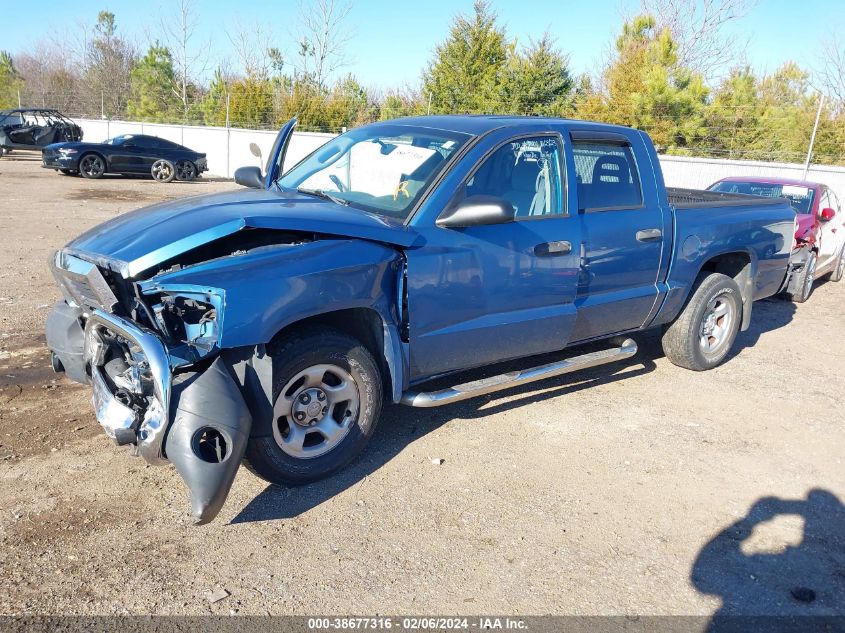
(208, 437)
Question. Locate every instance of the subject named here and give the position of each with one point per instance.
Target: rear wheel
(185, 170)
(805, 285)
(327, 398)
(92, 166)
(839, 271)
(163, 170)
(703, 334)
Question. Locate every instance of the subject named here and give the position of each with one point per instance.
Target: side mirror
(255, 150)
(249, 177)
(827, 214)
(478, 211)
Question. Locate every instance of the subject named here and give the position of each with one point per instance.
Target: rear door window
(607, 176)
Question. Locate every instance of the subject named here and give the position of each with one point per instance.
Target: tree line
(664, 73)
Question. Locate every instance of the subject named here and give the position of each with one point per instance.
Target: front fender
(273, 287)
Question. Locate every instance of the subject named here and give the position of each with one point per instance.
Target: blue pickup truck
(268, 325)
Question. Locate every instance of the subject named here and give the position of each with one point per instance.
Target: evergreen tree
(466, 72)
(538, 81)
(645, 87)
(10, 81)
(153, 82)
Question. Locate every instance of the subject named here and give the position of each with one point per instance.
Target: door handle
(553, 248)
(649, 235)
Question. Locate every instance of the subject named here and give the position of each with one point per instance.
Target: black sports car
(126, 154)
(33, 128)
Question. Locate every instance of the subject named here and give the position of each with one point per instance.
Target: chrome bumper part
(117, 419)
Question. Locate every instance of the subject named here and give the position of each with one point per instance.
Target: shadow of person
(789, 583)
(401, 425)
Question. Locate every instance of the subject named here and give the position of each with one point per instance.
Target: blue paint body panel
(475, 295)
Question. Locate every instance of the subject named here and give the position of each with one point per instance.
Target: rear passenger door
(623, 233)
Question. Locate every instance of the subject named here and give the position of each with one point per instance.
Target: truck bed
(696, 198)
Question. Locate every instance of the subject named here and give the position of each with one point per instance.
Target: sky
(391, 41)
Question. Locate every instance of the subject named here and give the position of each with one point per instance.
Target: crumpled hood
(136, 241)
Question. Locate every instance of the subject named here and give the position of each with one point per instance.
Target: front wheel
(703, 334)
(805, 284)
(92, 166)
(327, 398)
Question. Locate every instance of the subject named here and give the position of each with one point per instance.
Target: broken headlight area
(121, 373)
(190, 321)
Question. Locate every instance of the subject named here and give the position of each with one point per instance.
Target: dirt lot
(638, 488)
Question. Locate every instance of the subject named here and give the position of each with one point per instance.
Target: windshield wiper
(325, 195)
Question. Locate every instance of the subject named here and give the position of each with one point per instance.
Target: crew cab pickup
(268, 325)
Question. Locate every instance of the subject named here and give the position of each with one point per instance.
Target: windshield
(8, 117)
(799, 196)
(118, 140)
(383, 169)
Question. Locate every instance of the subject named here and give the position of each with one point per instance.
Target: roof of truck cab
(476, 124)
(772, 180)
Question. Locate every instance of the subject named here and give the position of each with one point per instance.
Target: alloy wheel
(185, 170)
(163, 170)
(716, 324)
(92, 166)
(315, 410)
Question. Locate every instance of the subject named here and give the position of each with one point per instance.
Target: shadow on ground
(785, 583)
(767, 315)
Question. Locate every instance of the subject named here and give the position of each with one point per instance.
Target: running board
(512, 379)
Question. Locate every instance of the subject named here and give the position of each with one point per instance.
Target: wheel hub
(310, 406)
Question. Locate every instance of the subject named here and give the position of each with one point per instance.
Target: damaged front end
(164, 393)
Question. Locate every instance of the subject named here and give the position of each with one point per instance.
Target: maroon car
(820, 230)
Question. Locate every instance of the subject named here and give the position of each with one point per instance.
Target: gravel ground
(637, 488)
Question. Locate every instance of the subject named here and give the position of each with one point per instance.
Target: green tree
(733, 117)
(251, 103)
(10, 81)
(214, 103)
(787, 114)
(645, 87)
(153, 94)
(466, 72)
(537, 80)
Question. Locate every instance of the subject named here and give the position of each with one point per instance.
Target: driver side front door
(484, 294)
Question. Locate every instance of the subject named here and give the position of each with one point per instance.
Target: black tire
(839, 271)
(163, 170)
(686, 341)
(92, 166)
(292, 356)
(805, 284)
(186, 171)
